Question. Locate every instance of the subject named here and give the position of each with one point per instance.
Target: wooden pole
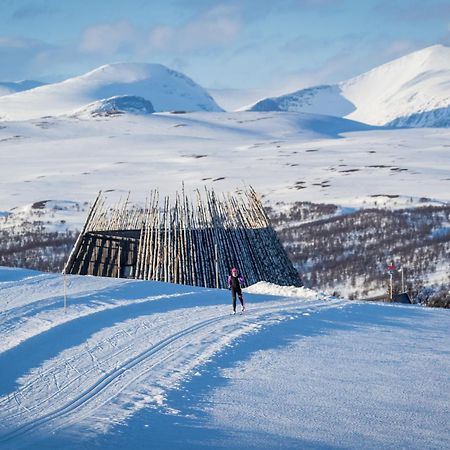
(65, 292)
(391, 290)
(216, 255)
(119, 254)
(77, 245)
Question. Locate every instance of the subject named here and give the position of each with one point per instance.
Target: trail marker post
(391, 269)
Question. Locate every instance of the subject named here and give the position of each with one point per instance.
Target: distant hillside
(166, 89)
(335, 251)
(411, 91)
(11, 87)
(346, 253)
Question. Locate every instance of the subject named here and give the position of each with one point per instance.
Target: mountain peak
(128, 71)
(413, 90)
(165, 88)
(436, 48)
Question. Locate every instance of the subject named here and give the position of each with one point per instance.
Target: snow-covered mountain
(11, 87)
(411, 91)
(166, 89)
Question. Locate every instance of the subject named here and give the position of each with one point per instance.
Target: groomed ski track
(120, 346)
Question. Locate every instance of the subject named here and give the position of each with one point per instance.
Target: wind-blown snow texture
(411, 91)
(166, 89)
(133, 363)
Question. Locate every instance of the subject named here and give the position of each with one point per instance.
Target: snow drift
(166, 89)
(411, 91)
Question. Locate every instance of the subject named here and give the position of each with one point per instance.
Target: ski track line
(96, 364)
(176, 350)
(82, 310)
(50, 372)
(154, 364)
(67, 362)
(102, 384)
(72, 358)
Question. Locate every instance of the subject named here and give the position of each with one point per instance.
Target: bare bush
(331, 249)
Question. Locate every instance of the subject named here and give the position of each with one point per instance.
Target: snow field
(286, 157)
(114, 357)
(365, 376)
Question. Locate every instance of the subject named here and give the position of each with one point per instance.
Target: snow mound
(266, 288)
(411, 91)
(117, 105)
(166, 89)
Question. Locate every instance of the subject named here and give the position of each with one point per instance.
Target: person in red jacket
(235, 283)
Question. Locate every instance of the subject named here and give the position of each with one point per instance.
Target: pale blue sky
(277, 45)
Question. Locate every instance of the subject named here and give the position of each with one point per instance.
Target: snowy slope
(11, 87)
(120, 368)
(166, 89)
(411, 91)
(134, 341)
(286, 157)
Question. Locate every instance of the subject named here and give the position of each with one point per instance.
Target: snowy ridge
(11, 87)
(411, 91)
(166, 89)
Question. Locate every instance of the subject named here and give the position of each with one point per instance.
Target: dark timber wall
(182, 243)
(106, 254)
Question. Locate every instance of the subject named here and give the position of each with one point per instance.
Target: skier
(235, 283)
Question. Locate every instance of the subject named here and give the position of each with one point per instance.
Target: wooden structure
(402, 297)
(185, 242)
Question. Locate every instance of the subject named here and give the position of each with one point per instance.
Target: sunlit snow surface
(138, 365)
(285, 156)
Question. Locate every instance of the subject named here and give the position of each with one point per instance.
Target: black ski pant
(237, 291)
